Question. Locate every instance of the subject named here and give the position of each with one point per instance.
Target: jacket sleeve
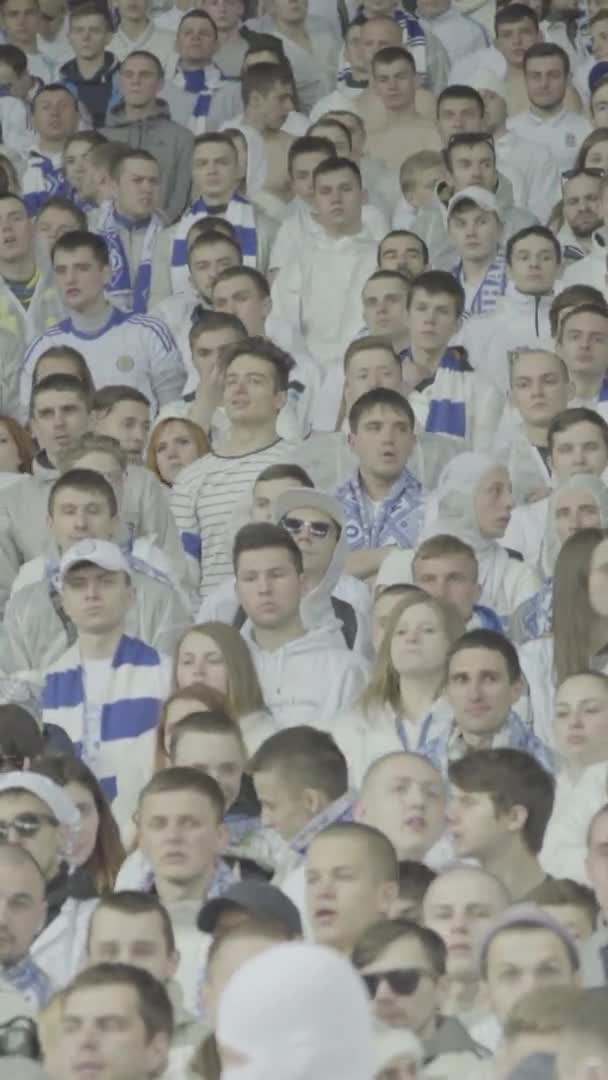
(184, 494)
(167, 372)
(156, 520)
(181, 172)
(489, 405)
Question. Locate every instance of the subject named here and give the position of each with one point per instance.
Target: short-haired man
(581, 201)
(500, 805)
(309, 44)
(22, 916)
(58, 216)
(546, 69)
(29, 302)
(404, 252)
(119, 348)
(572, 904)
(582, 342)
(591, 269)
(447, 569)
(268, 98)
(268, 566)
(92, 76)
(382, 438)
(20, 20)
(105, 690)
(55, 118)
(121, 1018)
(123, 413)
(191, 68)
(352, 877)
(404, 796)
(474, 230)
(393, 81)
(142, 119)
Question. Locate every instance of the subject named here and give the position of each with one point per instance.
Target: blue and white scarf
(130, 295)
(535, 615)
(399, 520)
(197, 81)
(513, 735)
(339, 810)
(491, 287)
(241, 215)
(28, 980)
(224, 877)
(447, 411)
(431, 742)
(44, 179)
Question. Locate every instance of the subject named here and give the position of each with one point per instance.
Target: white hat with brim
(58, 802)
(485, 200)
(101, 553)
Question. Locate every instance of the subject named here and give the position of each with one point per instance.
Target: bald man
(404, 796)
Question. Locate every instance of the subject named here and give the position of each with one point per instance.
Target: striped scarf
(447, 412)
(491, 287)
(106, 738)
(29, 980)
(398, 522)
(239, 213)
(339, 810)
(45, 178)
(127, 293)
(513, 734)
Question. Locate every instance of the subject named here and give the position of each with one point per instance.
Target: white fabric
(459, 34)
(518, 319)
(562, 134)
(520, 159)
(565, 843)
(551, 543)
(536, 658)
(591, 270)
(59, 950)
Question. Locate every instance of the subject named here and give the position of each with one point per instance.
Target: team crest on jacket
(125, 363)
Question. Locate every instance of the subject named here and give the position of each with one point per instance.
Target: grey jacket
(171, 145)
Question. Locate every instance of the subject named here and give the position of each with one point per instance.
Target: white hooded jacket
(518, 319)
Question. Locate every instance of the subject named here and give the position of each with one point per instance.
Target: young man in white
(475, 232)
(55, 118)
(29, 300)
(136, 30)
(581, 199)
(546, 70)
(582, 342)
(268, 567)
(136, 350)
(591, 270)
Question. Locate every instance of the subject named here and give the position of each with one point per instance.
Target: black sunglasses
(26, 825)
(401, 980)
(320, 529)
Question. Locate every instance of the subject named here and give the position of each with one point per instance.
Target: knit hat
(529, 916)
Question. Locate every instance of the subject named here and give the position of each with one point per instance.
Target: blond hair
(414, 165)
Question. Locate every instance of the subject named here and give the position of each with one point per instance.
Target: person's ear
(516, 817)
(266, 306)
(388, 893)
(313, 801)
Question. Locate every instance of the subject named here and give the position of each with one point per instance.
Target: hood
(117, 117)
(42, 469)
(312, 641)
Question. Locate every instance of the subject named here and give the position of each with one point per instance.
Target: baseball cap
(55, 797)
(528, 915)
(99, 552)
(486, 79)
(258, 899)
(485, 200)
(297, 497)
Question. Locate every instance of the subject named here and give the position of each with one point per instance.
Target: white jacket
(565, 844)
(518, 319)
(60, 949)
(592, 270)
(536, 658)
(519, 157)
(526, 530)
(460, 35)
(561, 134)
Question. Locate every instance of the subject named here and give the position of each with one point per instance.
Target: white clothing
(526, 530)
(299, 225)
(158, 42)
(459, 34)
(484, 404)
(518, 319)
(338, 99)
(490, 59)
(17, 135)
(564, 849)
(520, 159)
(314, 70)
(60, 949)
(562, 134)
(536, 658)
(292, 695)
(591, 270)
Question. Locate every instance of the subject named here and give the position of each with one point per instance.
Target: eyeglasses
(403, 981)
(318, 529)
(571, 174)
(26, 825)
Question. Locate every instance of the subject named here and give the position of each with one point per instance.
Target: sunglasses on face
(319, 529)
(26, 825)
(571, 174)
(403, 981)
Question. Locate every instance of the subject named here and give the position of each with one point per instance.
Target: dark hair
(337, 164)
(559, 892)
(442, 546)
(54, 88)
(458, 92)
(109, 396)
(85, 480)
(60, 384)
(573, 296)
(78, 238)
(211, 138)
(14, 58)
(154, 1004)
(215, 236)
(601, 310)
(260, 79)
(378, 937)
(306, 758)
(309, 144)
(367, 344)
(90, 7)
(510, 778)
(380, 395)
(20, 735)
(263, 349)
(436, 282)
(390, 54)
(414, 879)
(494, 642)
(147, 56)
(328, 120)
(22, 440)
(513, 13)
(131, 155)
(253, 275)
(285, 471)
(59, 202)
(533, 230)
(208, 321)
(262, 534)
(468, 139)
(259, 42)
(130, 902)
(544, 50)
(404, 232)
(182, 778)
(196, 13)
(211, 722)
(578, 414)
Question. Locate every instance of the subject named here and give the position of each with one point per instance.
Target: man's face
(129, 423)
(338, 201)
(250, 395)
(475, 829)
(539, 389)
(369, 369)
(196, 41)
(460, 906)
(284, 807)
(140, 81)
(107, 465)
(473, 166)
(179, 835)
(404, 254)
(226, 14)
(481, 691)
(433, 319)
(305, 526)
(405, 798)
(576, 509)
(80, 515)
(241, 297)
(59, 417)
(515, 39)
(581, 719)
(534, 265)
(584, 344)
(22, 909)
(218, 754)
(475, 233)
(596, 863)
(493, 503)
(290, 11)
(449, 577)
(275, 106)
(96, 600)
(575, 918)
(302, 172)
(343, 894)
(383, 442)
(395, 85)
(580, 449)
(80, 277)
(103, 1034)
(118, 938)
(495, 109)
(413, 1011)
(52, 222)
(457, 115)
(333, 131)
(138, 188)
(265, 493)
(208, 261)
(88, 35)
(268, 586)
(210, 348)
(16, 231)
(43, 839)
(546, 81)
(385, 308)
(582, 204)
(376, 34)
(74, 162)
(55, 115)
(20, 21)
(522, 960)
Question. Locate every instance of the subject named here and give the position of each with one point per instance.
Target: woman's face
(419, 645)
(597, 156)
(493, 502)
(581, 719)
(574, 510)
(598, 580)
(175, 449)
(10, 459)
(200, 660)
(84, 844)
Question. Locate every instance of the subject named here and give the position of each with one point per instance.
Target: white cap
(55, 797)
(99, 552)
(485, 200)
(486, 79)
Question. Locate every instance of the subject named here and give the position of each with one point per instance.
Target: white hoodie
(593, 269)
(518, 319)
